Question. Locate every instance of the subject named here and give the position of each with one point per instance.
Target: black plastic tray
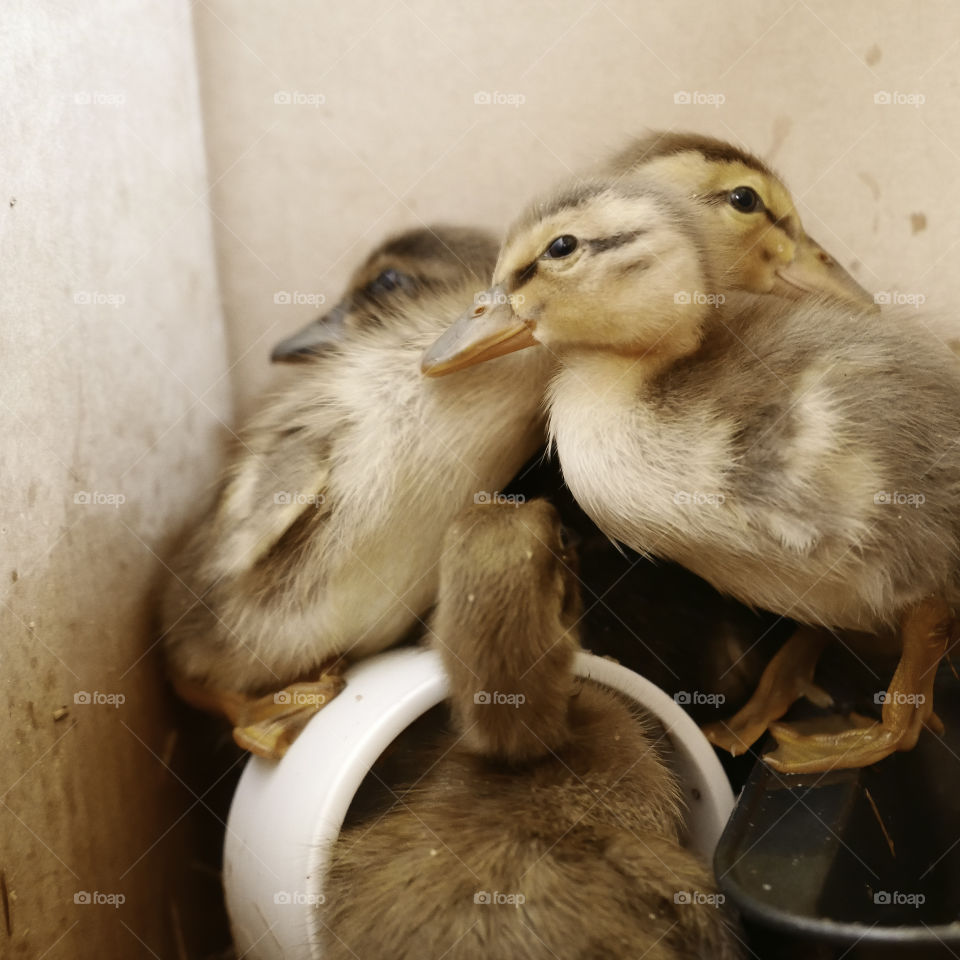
(855, 863)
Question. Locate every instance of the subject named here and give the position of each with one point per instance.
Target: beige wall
(303, 190)
(113, 382)
(108, 198)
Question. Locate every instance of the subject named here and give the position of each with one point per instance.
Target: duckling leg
(787, 677)
(926, 631)
(223, 703)
(266, 726)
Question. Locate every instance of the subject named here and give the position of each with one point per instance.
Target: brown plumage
(546, 827)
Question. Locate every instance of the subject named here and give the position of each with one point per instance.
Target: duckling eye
(561, 247)
(387, 281)
(569, 538)
(745, 199)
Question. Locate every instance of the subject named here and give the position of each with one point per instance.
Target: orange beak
(489, 329)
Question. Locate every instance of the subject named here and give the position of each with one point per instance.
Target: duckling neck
(628, 368)
(601, 375)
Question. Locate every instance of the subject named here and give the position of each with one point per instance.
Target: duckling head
(506, 568)
(634, 263)
(405, 270)
(612, 264)
(746, 216)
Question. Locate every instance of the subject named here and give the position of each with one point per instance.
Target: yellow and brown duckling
(324, 538)
(762, 443)
(768, 253)
(547, 826)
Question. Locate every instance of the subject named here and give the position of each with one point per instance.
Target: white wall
(103, 180)
(303, 191)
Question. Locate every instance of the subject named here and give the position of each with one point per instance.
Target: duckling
(708, 171)
(325, 535)
(767, 445)
(547, 823)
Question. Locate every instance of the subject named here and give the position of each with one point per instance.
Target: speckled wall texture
(113, 388)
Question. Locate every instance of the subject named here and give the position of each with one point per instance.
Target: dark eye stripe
(600, 244)
(781, 223)
(523, 275)
(712, 199)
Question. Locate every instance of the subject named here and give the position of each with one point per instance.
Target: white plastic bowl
(286, 816)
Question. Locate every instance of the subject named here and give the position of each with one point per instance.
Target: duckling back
(546, 825)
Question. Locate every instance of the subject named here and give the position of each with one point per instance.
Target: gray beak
(314, 339)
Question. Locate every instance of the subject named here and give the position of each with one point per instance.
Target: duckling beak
(487, 330)
(315, 338)
(814, 271)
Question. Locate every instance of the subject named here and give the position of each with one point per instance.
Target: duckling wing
(842, 482)
(280, 474)
(833, 416)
